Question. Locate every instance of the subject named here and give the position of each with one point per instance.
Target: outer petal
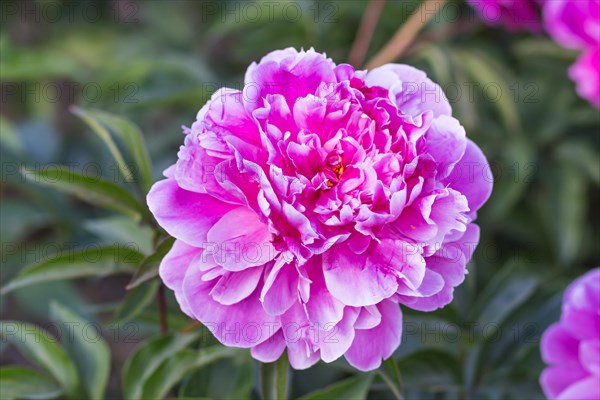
(338, 338)
(589, 354)
(559, 347)
(472, 177)
(449, 262)
(240, 240)
(585, 389)
(233, 287)
(362, 279)
(586, 74)
(187, 216)
(244, 324)
(322, 308)
(271, 349)
(410, 88)
(555, 380)
(370, 346)
(280, 290)
(288, 72)
(173, 268)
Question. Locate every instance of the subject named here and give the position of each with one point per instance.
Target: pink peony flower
(514, 15)
(576, 24)
(309, 205)
(586, 74)
(571, 346)
(573, 24)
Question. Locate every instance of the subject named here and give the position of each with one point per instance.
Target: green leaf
(391, 375)
(92, 357)
(24, 383)
(484, 71)
(228, 378)
(131, 136)
(9, 137)
(148, 269)
(136, 301)
(566, 214)
(507, 290)
(121, 229)
(182, 363)
(147, 358)
(42, 349)
(274, 379)
(355, 388)
(90, 189)
(95, 261)
(430, 369)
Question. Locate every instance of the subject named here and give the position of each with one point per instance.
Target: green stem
(274, 379)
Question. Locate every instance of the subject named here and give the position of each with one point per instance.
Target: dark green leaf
(92, 358)
(42, 349)
(121, 229)
(90, 189)
(148, 269)
(136, 300)
(355, 388)
(182, 363)
(131, 136)
(147, 358)
(95, 261)
(23, 383)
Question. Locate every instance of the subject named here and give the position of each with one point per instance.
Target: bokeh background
(156, 63)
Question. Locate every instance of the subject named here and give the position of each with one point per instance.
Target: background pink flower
(576, 24)
(514, 15)
(309, 205)
(571, 346)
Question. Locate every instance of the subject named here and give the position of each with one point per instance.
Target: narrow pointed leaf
(42, 349)
(96, 262)
(355, 388)
(130, 135)
(148, 269)
(89, 189)
(92, 357)
(24, 383)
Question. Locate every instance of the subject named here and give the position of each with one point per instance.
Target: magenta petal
(188, 216)
(589, 354)
(335, 339)
(280, 290)
(234, 287)
(369, 317)
(243, 324)
(585, 389)
(359, 280)
(472, 177)
(271, 349)
(173, 267)
(558, 346)
(240, 240)
(322, 308)
(371, 346)
(298, 335)
(556, 379)
(413, 92)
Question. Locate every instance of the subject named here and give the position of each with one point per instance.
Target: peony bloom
(309, 205)
(576, 24)
(586, 74)
(514, 15)
(571, 346)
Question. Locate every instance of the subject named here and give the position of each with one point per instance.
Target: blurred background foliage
(156, 63)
